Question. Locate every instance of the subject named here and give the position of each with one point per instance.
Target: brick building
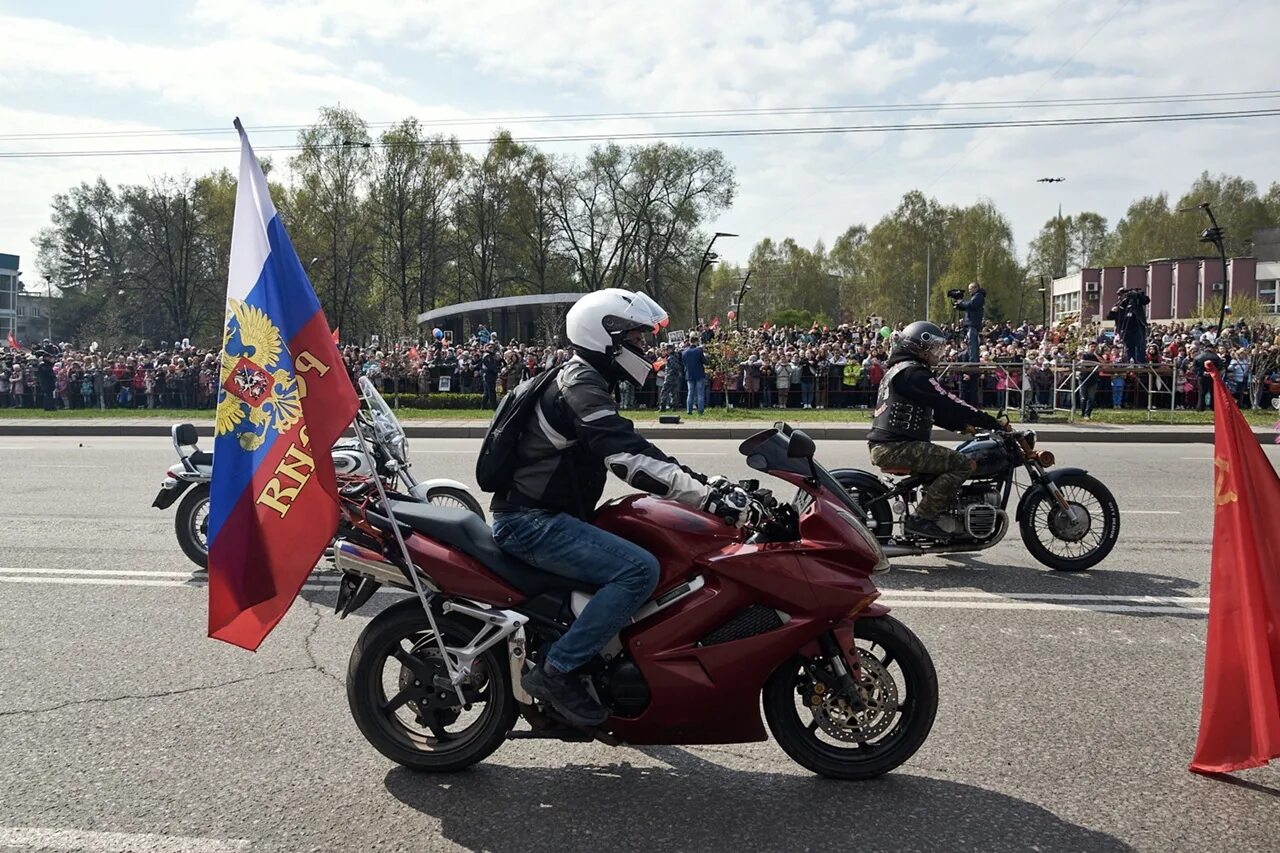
(1178, 287)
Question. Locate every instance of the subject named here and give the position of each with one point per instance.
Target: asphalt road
(1068, 713)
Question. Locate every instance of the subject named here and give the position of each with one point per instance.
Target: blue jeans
(973, 343)
(558, 543)
(806, 392)
(697, 395)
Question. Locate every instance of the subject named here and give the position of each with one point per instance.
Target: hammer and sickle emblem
(1221, 495)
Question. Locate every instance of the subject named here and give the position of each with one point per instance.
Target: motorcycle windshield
(767, 451)
(387, 426)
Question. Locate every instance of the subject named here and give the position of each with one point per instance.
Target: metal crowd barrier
(1062, 394)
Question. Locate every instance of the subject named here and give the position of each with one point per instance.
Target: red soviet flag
(13, 342)
(1240, 714)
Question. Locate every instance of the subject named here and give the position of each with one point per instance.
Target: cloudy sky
(79, 67)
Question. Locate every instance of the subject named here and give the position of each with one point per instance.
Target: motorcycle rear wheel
(419, 727)
(894, 725)
(191, 523)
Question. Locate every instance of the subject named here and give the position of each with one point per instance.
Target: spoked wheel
(191, 523)
(822, 731)
(455, 498)
(397, 688)
(1075, 537)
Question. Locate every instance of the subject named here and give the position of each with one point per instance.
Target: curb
(1110, 434)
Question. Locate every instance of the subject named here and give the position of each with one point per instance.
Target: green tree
(1237, 206)
(330, 212)
(171, 269)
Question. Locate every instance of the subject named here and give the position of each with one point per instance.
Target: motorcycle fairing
(710, 692)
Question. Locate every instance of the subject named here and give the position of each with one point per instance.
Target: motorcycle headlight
(882, 562)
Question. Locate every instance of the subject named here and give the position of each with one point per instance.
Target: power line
(1029, 103)
(700, 134)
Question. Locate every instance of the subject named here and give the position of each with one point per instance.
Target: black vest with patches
(896, 418)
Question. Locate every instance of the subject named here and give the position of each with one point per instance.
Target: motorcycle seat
(468, 532)
(896, 471)
(200, 457)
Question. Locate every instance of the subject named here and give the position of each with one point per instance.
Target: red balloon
(733, 314)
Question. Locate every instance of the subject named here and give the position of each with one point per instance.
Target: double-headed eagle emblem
(259, 391)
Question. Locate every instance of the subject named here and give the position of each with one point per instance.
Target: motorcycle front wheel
(822, 732)
(395, 696)
(1078, 537)
(191, 523)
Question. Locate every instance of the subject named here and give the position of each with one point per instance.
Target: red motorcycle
(785, 611)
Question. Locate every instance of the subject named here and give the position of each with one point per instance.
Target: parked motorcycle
(1069, 521)
(387, 443)
(785, 611)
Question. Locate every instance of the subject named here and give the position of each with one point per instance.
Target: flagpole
(409, 566)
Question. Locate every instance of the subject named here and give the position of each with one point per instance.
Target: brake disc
(837, 717)
(442, 703)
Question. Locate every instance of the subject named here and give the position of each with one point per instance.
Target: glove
(735, 506)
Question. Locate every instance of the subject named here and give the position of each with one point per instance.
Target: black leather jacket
(911, 400)
(575, 438)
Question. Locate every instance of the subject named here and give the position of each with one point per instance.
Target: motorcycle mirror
(800, 446)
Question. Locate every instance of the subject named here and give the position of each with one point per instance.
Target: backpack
(498, 451)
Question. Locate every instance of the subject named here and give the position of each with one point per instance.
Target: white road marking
(1038, 605)
(67, 466)
(1151, 512)
(37, 838)
(126, 572)
(1042, 596)
(192, 581)
(936, 599)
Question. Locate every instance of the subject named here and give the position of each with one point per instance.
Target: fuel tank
(991, 457)
(673, 533)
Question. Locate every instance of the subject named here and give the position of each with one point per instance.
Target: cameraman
(1130, 314)
(973, 309)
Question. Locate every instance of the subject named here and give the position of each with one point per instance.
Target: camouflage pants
(923, 457)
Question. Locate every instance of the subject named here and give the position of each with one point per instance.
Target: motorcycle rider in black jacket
(910, 401)
(575, 438)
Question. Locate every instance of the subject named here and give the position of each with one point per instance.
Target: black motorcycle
(1069, 521)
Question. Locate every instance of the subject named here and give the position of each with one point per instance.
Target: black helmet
(921, 340)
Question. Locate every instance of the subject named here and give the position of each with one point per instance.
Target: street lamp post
(741, 293)
(1044, 304)
(708, 258)
(1214, 235)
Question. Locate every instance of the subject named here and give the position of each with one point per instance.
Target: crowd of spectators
(761, 367)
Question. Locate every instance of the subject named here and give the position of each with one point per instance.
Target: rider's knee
(642, 574)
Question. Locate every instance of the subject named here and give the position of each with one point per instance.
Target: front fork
(845, 664)
(1037, 476)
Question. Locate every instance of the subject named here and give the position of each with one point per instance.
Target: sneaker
(565, 692)
(927, 528)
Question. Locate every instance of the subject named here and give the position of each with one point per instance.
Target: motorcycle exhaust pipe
(916, 551)
(351, 558)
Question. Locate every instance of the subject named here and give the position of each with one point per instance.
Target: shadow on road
(697, 805)
(980, 572)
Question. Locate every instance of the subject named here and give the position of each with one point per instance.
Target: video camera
(955, 293)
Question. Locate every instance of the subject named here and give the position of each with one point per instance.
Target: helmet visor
(644, 312)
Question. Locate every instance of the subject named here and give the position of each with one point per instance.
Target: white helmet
(597, 323)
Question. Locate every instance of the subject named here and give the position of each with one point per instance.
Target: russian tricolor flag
(284, 399)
